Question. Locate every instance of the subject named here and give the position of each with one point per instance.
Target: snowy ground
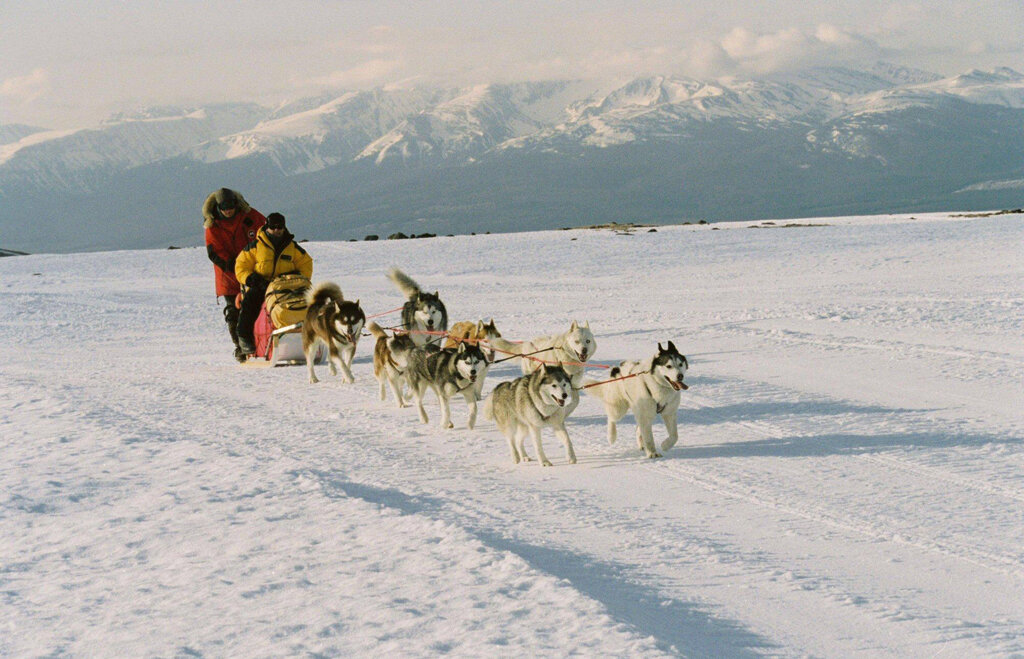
(849, 479)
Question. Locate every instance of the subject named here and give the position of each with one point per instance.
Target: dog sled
(278, 329)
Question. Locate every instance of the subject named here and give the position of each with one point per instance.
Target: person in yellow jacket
(274, 252)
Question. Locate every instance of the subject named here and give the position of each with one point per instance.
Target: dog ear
(660, 349)
(685, 363)
(587, 325)
(672, 347)
(462, 347)
(575, 326)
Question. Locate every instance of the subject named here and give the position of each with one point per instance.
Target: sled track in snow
(877, 345)
(679, 470)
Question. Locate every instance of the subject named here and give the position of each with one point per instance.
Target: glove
(254, 279)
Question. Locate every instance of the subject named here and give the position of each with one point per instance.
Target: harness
(659, 407)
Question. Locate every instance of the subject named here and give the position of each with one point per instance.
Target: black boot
(231, 318)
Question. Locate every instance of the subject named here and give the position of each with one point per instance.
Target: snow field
(848, 479)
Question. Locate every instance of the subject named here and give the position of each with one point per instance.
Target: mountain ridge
(499, 157)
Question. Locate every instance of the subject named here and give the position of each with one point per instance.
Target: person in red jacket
(231, 224)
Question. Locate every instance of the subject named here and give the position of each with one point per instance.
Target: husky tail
(324, 292)
(377, 331)
(507, 347)
(404, 282)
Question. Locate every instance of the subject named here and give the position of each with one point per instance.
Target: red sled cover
(261, 332)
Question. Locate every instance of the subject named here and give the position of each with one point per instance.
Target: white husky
(569, 350)
(654, 390)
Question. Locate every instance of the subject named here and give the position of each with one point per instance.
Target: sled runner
(278, 329)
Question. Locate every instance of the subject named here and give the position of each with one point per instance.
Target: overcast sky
(69, 64)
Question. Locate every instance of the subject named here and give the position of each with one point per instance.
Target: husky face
(470, 362)
(428, 311)
(349, 320)
(555, 386)
(580, 341)
(488, 331)
(671, 366)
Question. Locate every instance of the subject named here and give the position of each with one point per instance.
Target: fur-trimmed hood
(210, 214)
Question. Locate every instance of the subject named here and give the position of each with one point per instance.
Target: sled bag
(286, 299)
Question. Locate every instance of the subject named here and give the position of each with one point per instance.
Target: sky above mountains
(72, 64)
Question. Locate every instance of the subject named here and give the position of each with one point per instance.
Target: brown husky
(335, 321)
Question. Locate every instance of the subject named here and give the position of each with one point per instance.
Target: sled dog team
(545, 395)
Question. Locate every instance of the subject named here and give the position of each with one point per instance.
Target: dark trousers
(231, 317)
(252, 302)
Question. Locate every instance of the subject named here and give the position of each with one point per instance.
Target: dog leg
(344, 360)
(669, 417)
(645, 435)
(446, 411)
(521, 432)
(396, 389)
(613, 432)
(563, 434)
(540, 449)
(417, 394)
(380, 386)
(471, 399)
(310, 356)
(510, 437)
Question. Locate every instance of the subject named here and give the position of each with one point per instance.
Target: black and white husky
(448, 372)
(526, 405)
(335, 321)
(654, 391)
(422, 312)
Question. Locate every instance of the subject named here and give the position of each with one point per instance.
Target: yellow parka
(261, 257)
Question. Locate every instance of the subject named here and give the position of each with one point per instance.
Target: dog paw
(449, 425)
(313, 380)
(547, 463)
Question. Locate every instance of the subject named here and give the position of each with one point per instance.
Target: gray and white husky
(422, 312)
(335, 321)
(654, 391)
(447, 372)
(390, 360)
(528, 404)
(571, 349)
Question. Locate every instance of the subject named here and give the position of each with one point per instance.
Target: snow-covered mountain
(502, 157)
(78, 160)
(333, 132)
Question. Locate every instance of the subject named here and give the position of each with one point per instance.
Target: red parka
(225, 238)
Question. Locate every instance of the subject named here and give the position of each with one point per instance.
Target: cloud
(26, 89)
(793, 47)
(370, 72)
